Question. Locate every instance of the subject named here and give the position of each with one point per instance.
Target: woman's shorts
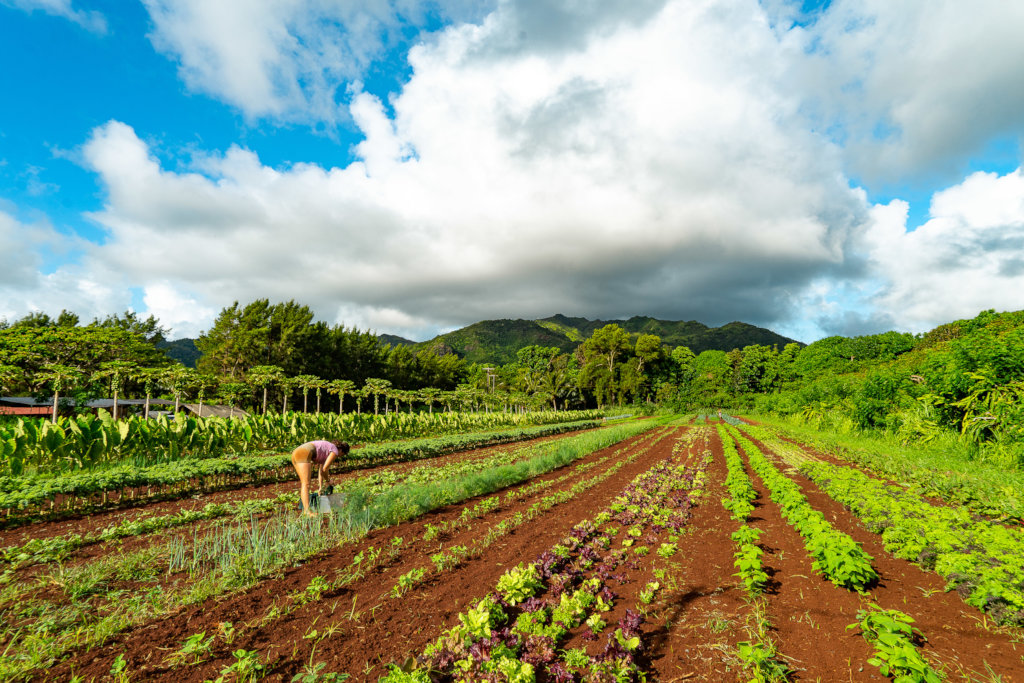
(306, 453)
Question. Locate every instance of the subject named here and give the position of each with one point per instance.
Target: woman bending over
(318, 454)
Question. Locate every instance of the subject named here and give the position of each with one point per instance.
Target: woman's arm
(322, 477)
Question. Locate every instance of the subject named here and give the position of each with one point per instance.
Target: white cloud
(176, 310)
(917, 87)
(652, 165)
(44, 269)
(19, 257)
(283, 59)
(90, 20)
(968, 257)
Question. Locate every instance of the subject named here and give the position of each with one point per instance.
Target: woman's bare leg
(304, 469)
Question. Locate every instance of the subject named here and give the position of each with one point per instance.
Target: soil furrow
(703, 617)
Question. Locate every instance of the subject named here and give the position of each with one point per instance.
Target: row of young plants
(520, 630)
(983, 487)
(837, 557)
(449, 558)
(890, 632)
(36, 446)
(58, 548)
(27, 498)
(895, 642)
(87, 604)
(759, 654)
(982, 560)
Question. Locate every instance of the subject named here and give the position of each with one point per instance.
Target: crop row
(87, 604)
(759, 654)
(981, 487)
(983, 560)
(30, 445)
(38, 550)
(58, 548)
(889, 632)
(837, 557)
(28, 497)
(445, 559)
(515, 632)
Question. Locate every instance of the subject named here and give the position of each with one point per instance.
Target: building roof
(31, 402)
(215, 410)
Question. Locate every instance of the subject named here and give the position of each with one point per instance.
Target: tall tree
(262, 376)
(148, 329)
(601, 351)
(237, 341)
(117, 371)
(60, 377)
(376, 386)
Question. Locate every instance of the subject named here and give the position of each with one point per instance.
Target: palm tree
(377, 386)
(60, 376)
(117, 371)
(306, 382)
(148, 377)
(428, 395)
(178, 379)
(232, 391)
(319, 386)
(262, 376)
(358, 395)
(448, 398)
(465, 395)
(203, 382)
(288, 384)
(340, 387)
(407, 396)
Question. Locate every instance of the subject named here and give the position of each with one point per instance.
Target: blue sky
(410, 167)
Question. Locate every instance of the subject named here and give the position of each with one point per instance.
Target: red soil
(690, 634)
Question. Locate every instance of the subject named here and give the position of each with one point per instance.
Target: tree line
(964, 378)
(275, 356)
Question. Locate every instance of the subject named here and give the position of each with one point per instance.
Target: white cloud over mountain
(642, 171)
(684, 159)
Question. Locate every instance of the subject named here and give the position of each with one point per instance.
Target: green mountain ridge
(497, 341)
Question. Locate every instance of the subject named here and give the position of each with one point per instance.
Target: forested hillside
(498, 341)
(964, 378)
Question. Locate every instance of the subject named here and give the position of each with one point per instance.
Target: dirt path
(703, 617)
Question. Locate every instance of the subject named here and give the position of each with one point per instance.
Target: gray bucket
(325, 502)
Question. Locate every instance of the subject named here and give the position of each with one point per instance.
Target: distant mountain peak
(497, 341)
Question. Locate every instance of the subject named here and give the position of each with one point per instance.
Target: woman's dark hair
(342, 446)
